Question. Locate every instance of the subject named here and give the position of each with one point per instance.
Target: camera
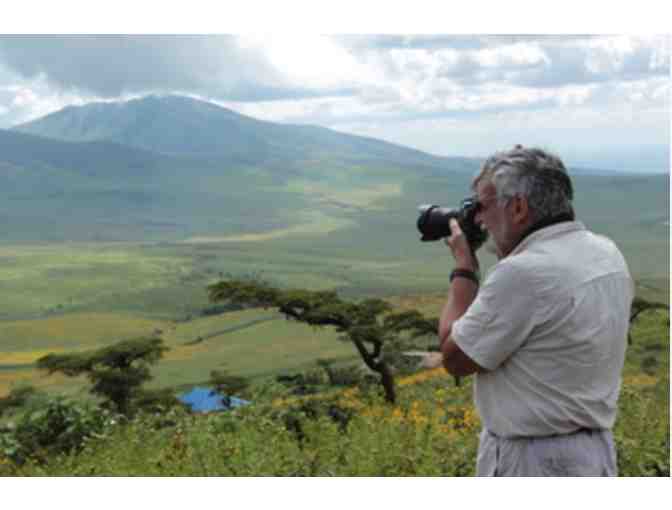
(434, 222)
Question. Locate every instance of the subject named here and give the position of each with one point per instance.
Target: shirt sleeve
(500, 319)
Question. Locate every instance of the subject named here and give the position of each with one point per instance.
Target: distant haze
(598, 101)
(643, 158)
(627, 157)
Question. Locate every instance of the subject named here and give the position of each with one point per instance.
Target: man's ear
(521, 210)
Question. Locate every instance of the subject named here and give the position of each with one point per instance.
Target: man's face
(495, 219)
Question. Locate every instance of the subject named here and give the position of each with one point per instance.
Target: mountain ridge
(179, 125)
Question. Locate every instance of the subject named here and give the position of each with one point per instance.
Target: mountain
(174, 168)
(166, 168)
(35, 155)
(178, 125)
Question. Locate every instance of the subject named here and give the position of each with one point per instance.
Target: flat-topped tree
(117, 372)
(368, 324)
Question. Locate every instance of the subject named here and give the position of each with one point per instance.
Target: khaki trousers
(583, 453)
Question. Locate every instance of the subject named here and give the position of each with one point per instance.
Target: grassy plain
(39, 278)
(253, 343)
(360, 240)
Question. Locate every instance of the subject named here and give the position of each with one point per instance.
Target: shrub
(344, 375)
(156, 401)
(17, 398)
(58, 427)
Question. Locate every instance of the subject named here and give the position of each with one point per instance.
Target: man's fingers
(459, 245)
(455, 229)
(455, 232)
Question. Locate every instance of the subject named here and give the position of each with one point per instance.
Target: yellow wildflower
(640, 380)
(422, 376)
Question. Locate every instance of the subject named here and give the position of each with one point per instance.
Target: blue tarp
(203, 400)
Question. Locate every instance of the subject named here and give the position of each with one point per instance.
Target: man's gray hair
(535, 174)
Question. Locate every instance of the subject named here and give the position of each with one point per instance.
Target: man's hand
(465, 258)
(432, 360)
(461, 294)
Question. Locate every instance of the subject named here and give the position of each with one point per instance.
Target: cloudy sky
(601, 101)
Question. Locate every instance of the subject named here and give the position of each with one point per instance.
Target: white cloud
(609, 54)
(574, 95)
(309, 61)
(518, 54)
(22, 100)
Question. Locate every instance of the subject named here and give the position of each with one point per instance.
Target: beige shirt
(551, 324)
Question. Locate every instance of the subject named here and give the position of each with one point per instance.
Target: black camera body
(434, 222)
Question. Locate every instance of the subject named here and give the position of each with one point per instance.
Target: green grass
(252, 343)
(53, 277)
(642, 429)
(650, 341)
(72, 331)
(268, 347)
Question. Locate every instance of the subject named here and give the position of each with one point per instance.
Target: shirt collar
(548, 232)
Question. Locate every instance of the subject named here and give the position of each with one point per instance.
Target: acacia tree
(117, 372)
(375, 332)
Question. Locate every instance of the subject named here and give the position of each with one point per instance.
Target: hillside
(30, 155)
(173, 168)
(177, 125)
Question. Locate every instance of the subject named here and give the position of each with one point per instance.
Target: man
(546, 333)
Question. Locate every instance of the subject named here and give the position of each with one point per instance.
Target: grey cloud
(426, 68)
(243, 93)
(112, 65)
(448, 41)
(543, 39)
(419, 41)
(219, 68)
(466, 70)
